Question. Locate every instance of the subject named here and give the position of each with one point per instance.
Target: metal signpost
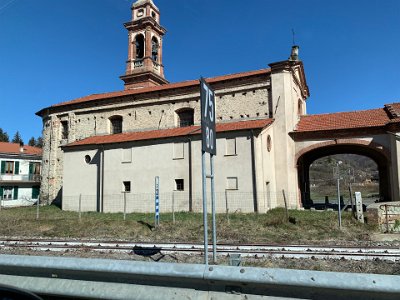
(336, 174)
(208, 144)
(157, 201)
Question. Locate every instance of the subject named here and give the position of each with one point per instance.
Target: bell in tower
(144, 67)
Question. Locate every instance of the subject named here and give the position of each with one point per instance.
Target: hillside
(360, 171)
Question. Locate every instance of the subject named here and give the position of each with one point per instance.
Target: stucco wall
(156, 158)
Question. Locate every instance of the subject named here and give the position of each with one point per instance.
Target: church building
(103, 151)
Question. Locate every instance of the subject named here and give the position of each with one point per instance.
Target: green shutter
(3, 167)
(35, 191)
(15, 192)
(30, 168)
(16, 171)
(1, 192)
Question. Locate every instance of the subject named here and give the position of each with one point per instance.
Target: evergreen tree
(4, 136)
(39, 142)
(32, 142)
(17, 138)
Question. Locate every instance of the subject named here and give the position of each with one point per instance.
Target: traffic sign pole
(205, 225)
(208, 144)
(214, 230)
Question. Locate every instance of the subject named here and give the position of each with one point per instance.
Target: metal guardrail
(116, 279)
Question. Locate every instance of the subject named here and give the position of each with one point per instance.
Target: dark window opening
(154, 49)
(139, 42)
(186, 117)
(127, 186)
(64, 130)
(7, 193)
(116, 125)
(179, 185)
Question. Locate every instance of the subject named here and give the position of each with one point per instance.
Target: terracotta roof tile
(14, 148)
(161, 87)
(343, 120)
(393, 109)
(168, 133)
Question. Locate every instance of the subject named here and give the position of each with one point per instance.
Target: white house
(20, 174)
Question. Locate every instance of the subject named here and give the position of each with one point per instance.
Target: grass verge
(272, 227)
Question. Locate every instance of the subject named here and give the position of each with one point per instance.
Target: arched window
(154, 48)
(115, 124)
(139, 42)
(299, 108)
(185, 117)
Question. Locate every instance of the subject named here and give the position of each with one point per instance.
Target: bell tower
(144, 66)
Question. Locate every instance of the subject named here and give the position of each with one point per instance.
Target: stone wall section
(158, 111)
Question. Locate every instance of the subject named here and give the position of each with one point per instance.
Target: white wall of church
(159, 158)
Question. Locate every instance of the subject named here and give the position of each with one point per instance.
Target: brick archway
(372, 150)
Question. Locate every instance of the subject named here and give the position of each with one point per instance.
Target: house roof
(349, 120)
(14, 148)
(168, 133)
(164, 87)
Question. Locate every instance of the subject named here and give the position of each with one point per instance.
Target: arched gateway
(378, 153)
(370, 133)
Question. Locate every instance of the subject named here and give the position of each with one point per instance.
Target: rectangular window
(179, 150)
(230, 146)
(7, 193)
(34, 171)
(116, 125)
(9, 167)
(179, 185)
(127, 155)
(231, 183)
(64, 130)
(127, 186)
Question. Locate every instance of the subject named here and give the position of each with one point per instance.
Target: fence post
(286, 206)
(124, 206)
(226, 206)
(37, 208)
(80, 207)
(387, 218)
(173, 207)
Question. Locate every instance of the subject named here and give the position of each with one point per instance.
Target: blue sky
(56, 50)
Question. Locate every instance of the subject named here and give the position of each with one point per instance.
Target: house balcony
(34, 178)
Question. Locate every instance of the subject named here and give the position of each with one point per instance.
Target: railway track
(255, 251)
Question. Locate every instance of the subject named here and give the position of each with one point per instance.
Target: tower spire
(144, 66)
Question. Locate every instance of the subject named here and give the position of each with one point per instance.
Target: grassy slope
(310, 226)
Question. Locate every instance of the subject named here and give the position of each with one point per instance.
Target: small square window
(179, 185)
(179, 151)
(127, 155)
(231, 183)
(127, 186)
(230, 146)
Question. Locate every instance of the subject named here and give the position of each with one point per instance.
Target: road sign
(208, 133)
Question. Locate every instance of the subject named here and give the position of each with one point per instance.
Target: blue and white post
(157, 201)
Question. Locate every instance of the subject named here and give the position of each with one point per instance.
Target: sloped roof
(168, 133)
(347, 120)
(14, 148)
(163, 87)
